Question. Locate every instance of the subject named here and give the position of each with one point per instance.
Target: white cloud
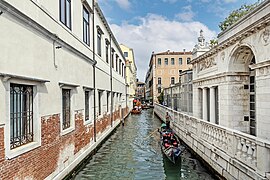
(187, 15)
(124, 4)
(158, 34)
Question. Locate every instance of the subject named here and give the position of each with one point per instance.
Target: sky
(149, 26)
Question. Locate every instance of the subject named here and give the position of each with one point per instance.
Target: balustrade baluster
(244, 149)
(239, 147)
(254, 154)
(249, 152)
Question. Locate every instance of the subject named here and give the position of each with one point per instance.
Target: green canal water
(131, 154)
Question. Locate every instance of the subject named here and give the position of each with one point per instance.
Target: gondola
(136, 111)
(169, 144)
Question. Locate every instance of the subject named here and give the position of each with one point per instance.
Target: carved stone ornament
(207, 63)
(265, 37)
(222, 56)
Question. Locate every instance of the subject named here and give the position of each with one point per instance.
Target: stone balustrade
(233, 154)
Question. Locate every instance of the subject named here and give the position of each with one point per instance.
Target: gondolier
(168, 119)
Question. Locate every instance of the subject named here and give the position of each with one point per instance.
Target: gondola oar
(151, 133)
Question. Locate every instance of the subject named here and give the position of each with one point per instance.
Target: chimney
(184, 50)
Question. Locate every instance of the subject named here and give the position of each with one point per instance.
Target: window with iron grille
(66, 108)
(65, 12)
(21, 115)
(86, 32)
(87, 93)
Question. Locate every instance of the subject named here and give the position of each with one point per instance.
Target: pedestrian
(168, 119)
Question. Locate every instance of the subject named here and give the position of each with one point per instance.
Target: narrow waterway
(130, 154)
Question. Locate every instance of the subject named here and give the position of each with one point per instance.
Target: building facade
(235, 74)
(140, 92)
(131, 72)
(62, 86)
(229, 127)
(179, 97)
(164, 71)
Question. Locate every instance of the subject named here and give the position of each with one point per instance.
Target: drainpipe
(126, 83)
(94, 70)
(111, 80)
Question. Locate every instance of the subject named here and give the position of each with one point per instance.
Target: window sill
(66, 131)
(88, 122)
(22, 149)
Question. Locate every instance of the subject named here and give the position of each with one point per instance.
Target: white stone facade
(231, 80)
(42, 51)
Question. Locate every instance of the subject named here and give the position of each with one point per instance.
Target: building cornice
(7, 76)
(8, 9)
(216, 76)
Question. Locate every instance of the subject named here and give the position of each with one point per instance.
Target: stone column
(212, 105)
(204, 98)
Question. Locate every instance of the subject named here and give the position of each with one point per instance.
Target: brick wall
(56, 151)
(2, 146)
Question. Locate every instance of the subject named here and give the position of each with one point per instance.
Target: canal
(130, 154)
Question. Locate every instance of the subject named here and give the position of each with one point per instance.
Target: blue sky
(161, 25)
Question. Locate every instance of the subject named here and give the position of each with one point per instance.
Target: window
(65, 12)
(180, 71)
(108, 101)
(159, 90)
(112, 59)
(21, 115)
(188, 60)
(99, 43)
(126, 54)
(159, 80)
(66, 108)
(87, 96)
(123, 69)
(172, 80)
(120, 66)
(166, 61)
(172, 61)
(99, 102)
(159, 61)
(116, 63)
(107, 53)
(86, 32)
(180, 61)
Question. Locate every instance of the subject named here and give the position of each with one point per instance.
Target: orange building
(164, 70)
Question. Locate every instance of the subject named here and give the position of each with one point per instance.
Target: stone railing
(231, 153)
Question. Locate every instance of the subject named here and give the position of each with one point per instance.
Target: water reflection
(131, 154)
